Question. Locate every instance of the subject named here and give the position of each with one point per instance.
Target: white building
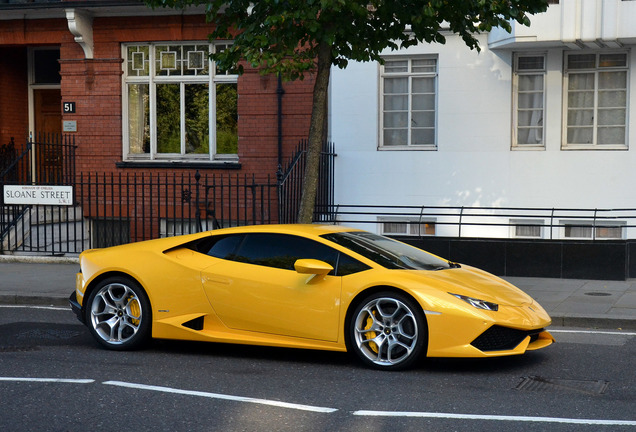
(540, 118)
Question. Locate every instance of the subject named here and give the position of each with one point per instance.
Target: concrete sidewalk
(570, 302)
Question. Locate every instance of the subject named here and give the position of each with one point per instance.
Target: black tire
(388, 331)
(118, 314)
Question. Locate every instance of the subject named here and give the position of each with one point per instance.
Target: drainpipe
(280, 92)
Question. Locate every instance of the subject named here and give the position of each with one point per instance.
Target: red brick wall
(32, 32)
(15, 37)
(96, 86)
(14, 112)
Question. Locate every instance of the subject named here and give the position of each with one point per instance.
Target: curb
(22, 300)
(594, 322)
(38, 259)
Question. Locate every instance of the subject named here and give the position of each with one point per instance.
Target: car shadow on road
(252, 352)
(484, 365)
(339, 359)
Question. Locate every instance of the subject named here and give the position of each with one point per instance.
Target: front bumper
(76, 308)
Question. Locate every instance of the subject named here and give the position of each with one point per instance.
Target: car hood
(472, 282)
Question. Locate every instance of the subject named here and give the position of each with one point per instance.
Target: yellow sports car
(304, 286)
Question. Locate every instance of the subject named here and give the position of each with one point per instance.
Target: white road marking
(613, 333)
(362, 413)
(495, 418)
(57, 308)
(48, 380)
(222, 396)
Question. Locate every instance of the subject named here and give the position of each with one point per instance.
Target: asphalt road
(54, 377)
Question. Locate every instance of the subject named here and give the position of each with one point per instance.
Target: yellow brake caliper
(371, 335)
(135, 310)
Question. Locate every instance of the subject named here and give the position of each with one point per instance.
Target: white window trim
(514, 223)
(595, 145)
(169, 227)
(381, 74)
(588, 223)
(152, 79)
(515, 99)
(412, 225)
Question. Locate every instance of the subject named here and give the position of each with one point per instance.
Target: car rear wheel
(118, 314)
(388, 331)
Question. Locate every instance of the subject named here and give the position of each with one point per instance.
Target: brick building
(136, 92)
(140, 91)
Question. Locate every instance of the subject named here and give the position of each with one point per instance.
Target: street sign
(43, 195)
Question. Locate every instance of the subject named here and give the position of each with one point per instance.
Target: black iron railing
(291, 184)
(490, 222)
(114, 208)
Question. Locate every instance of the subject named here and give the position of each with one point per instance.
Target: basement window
(588, 230)
(407, 227)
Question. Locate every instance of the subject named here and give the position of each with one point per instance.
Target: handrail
(486, 221)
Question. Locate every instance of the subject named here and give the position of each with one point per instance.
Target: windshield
(388, 252)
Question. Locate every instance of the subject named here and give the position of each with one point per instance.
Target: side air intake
(195, 324)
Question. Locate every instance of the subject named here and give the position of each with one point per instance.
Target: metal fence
(491, 222)
(109, 209)
(290, 184)
(44, 159)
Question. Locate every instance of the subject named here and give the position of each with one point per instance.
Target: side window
(348, 265)
(225, 246)
(282, 251)
(276, 250)
(217, 246)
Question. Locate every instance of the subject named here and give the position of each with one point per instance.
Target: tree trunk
(317, 135)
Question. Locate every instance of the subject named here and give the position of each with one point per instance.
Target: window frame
(151, 80)
(594, 226)
(567, 73)
(410, 75)
(515, 224)
(414, 227)
(517, 72)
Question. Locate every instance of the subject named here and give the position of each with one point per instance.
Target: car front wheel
(388, 331)
(118, 314)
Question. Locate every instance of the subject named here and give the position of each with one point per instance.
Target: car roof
(299, 229)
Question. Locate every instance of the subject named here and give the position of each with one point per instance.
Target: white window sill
(408, 148)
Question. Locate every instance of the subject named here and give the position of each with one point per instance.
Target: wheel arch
(373, 290)
(96, 281)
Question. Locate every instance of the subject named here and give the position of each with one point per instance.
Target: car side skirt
(173, 328)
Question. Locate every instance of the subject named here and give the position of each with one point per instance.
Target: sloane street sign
(43, 195)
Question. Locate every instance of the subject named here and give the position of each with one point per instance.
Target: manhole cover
(598, 294)
(535, 383)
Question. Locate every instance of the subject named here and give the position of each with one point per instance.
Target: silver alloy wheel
(386, 331)
(116, 313)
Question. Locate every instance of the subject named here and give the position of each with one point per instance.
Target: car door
(255, 288)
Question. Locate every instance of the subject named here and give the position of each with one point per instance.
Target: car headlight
(479, 304)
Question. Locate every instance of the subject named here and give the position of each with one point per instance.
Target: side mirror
(312, 266)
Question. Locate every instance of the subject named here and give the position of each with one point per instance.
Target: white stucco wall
(474, 164)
